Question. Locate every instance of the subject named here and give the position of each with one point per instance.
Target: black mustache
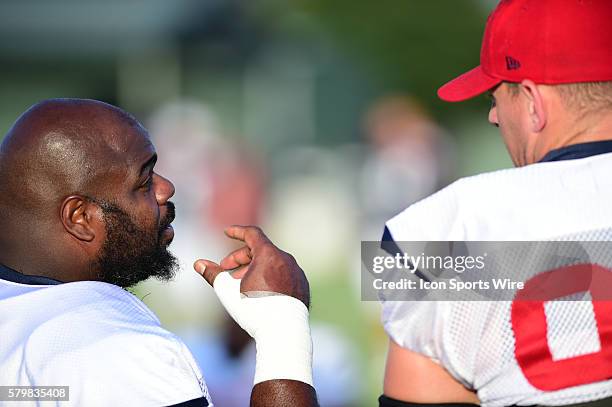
(170, 215)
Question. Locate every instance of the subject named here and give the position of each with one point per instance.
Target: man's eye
(492, 99)
(147, 184)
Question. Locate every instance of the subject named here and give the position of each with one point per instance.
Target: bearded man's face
(131, 253)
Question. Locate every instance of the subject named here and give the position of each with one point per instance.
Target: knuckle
(257, 231)
(285, 260)
(268, 249)
(289, 258)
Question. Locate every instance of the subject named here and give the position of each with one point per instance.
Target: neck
(28, 268)
(46, 260)
(574, 131)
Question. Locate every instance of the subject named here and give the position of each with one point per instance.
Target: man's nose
(164, 190)
(493, 117)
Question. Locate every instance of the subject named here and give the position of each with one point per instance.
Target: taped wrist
(280, 326)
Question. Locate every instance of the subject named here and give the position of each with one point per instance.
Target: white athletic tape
(278, 323)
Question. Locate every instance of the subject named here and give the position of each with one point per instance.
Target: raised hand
(268, 295)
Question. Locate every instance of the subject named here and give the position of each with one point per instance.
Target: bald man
(84, 215)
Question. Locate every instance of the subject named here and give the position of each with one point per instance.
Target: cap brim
(467, 86)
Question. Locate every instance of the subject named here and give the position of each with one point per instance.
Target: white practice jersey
(476, 341)
(99, 340)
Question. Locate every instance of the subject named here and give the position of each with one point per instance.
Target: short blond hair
(584, 97)
(587, 97)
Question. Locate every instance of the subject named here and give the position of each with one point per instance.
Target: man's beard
(131, 254)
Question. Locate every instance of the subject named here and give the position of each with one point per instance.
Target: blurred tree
(408, 45)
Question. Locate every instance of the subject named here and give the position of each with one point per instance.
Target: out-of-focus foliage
(410, 45)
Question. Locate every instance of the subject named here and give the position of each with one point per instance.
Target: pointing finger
(251, 235)
(237, 258)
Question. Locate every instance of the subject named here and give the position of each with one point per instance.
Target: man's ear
(535, 105)
(80, 217)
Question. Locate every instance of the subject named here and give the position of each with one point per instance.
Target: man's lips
(168, 234)
(170, 212)
(167, 231)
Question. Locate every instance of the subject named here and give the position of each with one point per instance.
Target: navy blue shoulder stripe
(581, 150)
(199, 402)
(9, 274)
(387, 243)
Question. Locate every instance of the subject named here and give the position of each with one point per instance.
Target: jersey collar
(576, 151)
(9, 274)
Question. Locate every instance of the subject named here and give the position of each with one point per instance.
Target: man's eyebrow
(148, 165)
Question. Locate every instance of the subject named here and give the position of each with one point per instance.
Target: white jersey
(475, 341)
(99, 340)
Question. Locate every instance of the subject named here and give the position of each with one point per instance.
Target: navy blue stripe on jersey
(388, 244)
(576, 151)
(9, 274)
(201, 402)
(384, 401)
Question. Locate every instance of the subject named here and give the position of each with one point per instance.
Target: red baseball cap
(547, 41)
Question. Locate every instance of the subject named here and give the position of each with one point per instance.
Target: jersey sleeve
(126, 368)
(113, 352)
(417, 325)
(135, 368)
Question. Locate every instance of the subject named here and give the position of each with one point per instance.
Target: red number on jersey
(529, 325)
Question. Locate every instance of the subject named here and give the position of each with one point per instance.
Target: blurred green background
(316, 119)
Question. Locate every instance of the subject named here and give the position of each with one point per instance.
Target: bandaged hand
(268, 295)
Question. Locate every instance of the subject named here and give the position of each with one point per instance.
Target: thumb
(207, 269)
